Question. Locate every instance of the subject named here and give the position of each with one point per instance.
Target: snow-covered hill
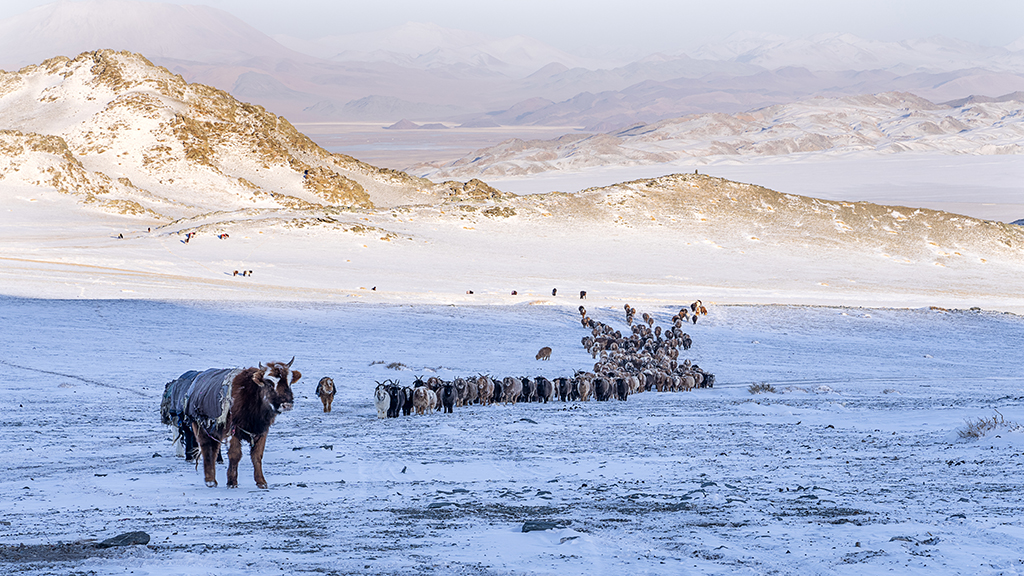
(880, 124)
(121, 133)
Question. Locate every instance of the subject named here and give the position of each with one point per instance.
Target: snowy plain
(853, 466)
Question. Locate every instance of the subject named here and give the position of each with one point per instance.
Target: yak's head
(278, 379)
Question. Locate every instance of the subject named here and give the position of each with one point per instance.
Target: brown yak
(257, 396)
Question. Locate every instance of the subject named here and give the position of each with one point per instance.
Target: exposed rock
(540, 525)
(126, 539)
(473, 190)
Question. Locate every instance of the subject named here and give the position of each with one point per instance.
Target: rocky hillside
(131, 137)
(884, 123)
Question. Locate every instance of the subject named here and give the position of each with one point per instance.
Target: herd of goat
(645, 359)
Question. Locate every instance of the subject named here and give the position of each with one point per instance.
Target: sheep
(406, 402)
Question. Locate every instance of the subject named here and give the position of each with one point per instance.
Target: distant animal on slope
(544, 353)
(237, 404)
(325, 390)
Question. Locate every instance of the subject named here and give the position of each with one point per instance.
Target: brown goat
(325, 390)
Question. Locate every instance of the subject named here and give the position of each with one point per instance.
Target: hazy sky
(643, 25)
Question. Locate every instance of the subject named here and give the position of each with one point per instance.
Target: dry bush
(761, 388)
(975, 429)
(397, 366)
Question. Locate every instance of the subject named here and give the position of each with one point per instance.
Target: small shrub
(397, 366)
(761, 388)
(975, 429)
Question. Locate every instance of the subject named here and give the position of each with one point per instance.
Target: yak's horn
(289, 364)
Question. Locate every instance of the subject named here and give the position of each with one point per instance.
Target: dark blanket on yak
(201, 397)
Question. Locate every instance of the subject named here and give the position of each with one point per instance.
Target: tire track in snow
(79, 378)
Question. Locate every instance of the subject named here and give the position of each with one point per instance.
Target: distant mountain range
(886, 123)
(429, 46)
(427, 73)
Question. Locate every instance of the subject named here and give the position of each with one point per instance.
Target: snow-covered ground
(853, 466)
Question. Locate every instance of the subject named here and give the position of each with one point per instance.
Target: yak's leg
(188, 440)
(330, 400)
(209, 447)
(234, 456)
(256, 453)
